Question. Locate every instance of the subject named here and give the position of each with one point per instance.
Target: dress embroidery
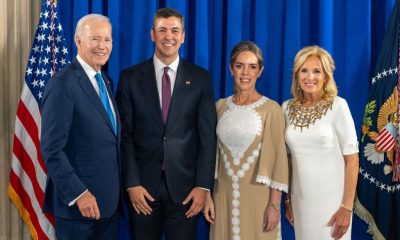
(235, 187)
(239, 122)
(271, 183)
(244, 123)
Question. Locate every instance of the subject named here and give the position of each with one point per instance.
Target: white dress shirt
(159, 68)
(90, 72)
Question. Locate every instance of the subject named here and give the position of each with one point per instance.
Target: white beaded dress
(317, 180)
(251, 159)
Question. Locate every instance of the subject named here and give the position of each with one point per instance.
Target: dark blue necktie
(104, 100)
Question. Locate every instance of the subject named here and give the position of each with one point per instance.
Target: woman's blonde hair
(328, 66)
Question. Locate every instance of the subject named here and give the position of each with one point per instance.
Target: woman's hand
(340, 222)
(272, 216)
(208, 210)
(289, 212)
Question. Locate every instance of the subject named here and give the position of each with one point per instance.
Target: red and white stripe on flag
(385, 141)
(28, 172)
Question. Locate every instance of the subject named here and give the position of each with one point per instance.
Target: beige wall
(18, 20)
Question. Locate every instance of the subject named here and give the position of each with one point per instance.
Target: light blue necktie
(104, 99)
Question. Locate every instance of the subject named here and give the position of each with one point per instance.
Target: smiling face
(168, 36)
(94, 43)
(312, 77)
(245, 71)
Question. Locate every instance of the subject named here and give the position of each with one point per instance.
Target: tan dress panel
(251, 160)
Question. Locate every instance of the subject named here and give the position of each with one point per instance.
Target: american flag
(378, 187)
(28, 172)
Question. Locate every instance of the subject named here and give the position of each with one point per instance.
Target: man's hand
(87, 205)
(209, 210)
(138, 197)
(198, 198)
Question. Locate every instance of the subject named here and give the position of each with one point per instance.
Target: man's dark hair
(166, 13)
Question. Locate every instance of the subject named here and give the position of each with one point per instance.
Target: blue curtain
(351, 31)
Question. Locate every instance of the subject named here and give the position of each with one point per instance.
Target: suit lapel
(177, 94)
(111, 94)
(89, 90)
(148, 86)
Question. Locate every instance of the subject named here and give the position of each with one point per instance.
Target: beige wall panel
(18, 19)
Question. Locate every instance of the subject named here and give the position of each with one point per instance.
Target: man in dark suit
(168, 136)
(80, 140)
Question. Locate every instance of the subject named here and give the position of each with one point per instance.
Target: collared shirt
(159, 68)
(90, 72)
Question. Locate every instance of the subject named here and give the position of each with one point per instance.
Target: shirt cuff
(204, 188)
(73, 201)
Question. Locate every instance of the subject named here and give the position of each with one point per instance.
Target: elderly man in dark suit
(80, 140)
(168, 136)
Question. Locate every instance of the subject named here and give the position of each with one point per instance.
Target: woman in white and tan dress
(252, 167)
(323, 146)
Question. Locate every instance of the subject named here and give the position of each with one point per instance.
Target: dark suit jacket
(186, 144)
(78, 144)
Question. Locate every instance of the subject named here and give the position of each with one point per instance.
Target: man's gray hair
(79, 30)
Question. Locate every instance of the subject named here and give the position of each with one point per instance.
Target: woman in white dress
(252, 168)
(322, 149)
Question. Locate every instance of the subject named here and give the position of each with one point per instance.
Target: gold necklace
(302, 117)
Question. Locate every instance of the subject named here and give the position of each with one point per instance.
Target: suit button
(165, 139)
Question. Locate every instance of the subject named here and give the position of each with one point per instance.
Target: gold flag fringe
(366, 216)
